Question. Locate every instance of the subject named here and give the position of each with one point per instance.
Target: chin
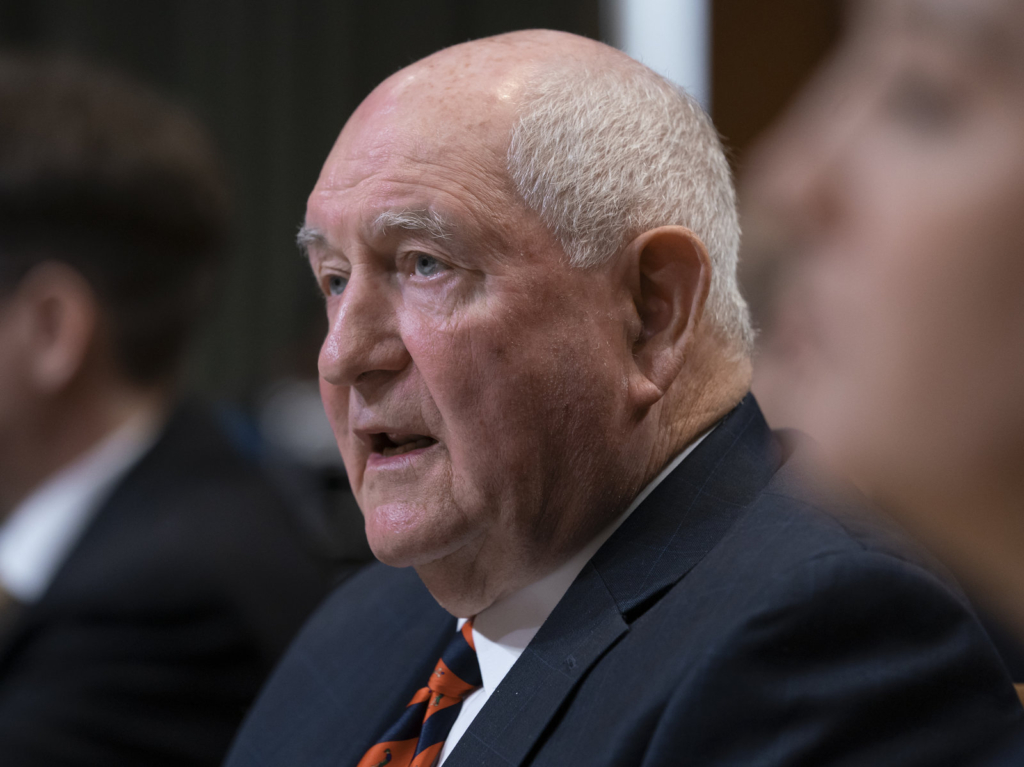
(405, 535)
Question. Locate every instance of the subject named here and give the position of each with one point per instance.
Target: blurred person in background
(149, 574)
(897, 186)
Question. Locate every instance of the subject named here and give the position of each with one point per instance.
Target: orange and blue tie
(417, 738)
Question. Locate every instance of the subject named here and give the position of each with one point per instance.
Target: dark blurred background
(276, 79)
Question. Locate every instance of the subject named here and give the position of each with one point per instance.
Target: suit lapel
(581, 628)
(689, 513)
(671, 531)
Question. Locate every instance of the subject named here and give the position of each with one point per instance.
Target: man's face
(475, 381)
(903, 172)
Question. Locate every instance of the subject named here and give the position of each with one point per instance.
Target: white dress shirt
(502, 631)
(41, 531)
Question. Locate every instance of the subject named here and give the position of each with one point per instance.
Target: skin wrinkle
(458, 206)
(517, 363)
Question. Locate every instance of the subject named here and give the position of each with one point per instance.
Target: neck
(704, 394)
(65, 427)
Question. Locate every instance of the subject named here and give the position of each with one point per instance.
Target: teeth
(407, 447)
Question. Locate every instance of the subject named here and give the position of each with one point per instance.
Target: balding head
(596, 143)
(481, 81)
(516, 285)
(458, 105)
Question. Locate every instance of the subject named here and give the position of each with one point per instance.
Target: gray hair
(606, 154)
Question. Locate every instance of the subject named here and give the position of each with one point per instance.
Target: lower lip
(400, 461)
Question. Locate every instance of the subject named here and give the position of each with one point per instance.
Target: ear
(60, 317)
(670, 273)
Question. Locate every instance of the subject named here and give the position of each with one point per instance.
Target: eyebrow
(308, 236)
(421, 220)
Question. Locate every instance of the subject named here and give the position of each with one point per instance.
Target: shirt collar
(40, 532)
(502, 631)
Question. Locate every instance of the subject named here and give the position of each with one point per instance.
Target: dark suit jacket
(166, 617)
(743, 615)
(1009, 753)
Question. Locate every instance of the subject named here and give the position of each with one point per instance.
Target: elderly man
(149, 575)
(536, 369)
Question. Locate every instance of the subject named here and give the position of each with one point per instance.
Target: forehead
(425, 141)
(988, 28)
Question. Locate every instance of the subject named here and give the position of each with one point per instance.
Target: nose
(363, 343)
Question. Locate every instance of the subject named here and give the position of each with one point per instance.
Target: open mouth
(389, 445)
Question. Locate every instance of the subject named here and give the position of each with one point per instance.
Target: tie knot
(417, 738)
(457, 673)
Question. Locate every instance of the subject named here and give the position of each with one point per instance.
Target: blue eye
(428, 266)
(336, 284)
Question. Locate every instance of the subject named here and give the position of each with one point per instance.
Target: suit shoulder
(378, 597)
(809, 550)
(878, 647)
(807, 513)
(363, 612)
(811, 601)
(195, 528)
(196, 469)
(205, 499)
(377, 637)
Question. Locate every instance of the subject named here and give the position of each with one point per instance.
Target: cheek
(924, 323)
(477, 376)
(335, 402)
(517, 394)
(950, 276)
(948, 233)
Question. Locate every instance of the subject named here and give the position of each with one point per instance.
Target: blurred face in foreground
(901, 173)
(479, 386)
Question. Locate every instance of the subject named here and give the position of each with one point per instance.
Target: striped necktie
(417, 738)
